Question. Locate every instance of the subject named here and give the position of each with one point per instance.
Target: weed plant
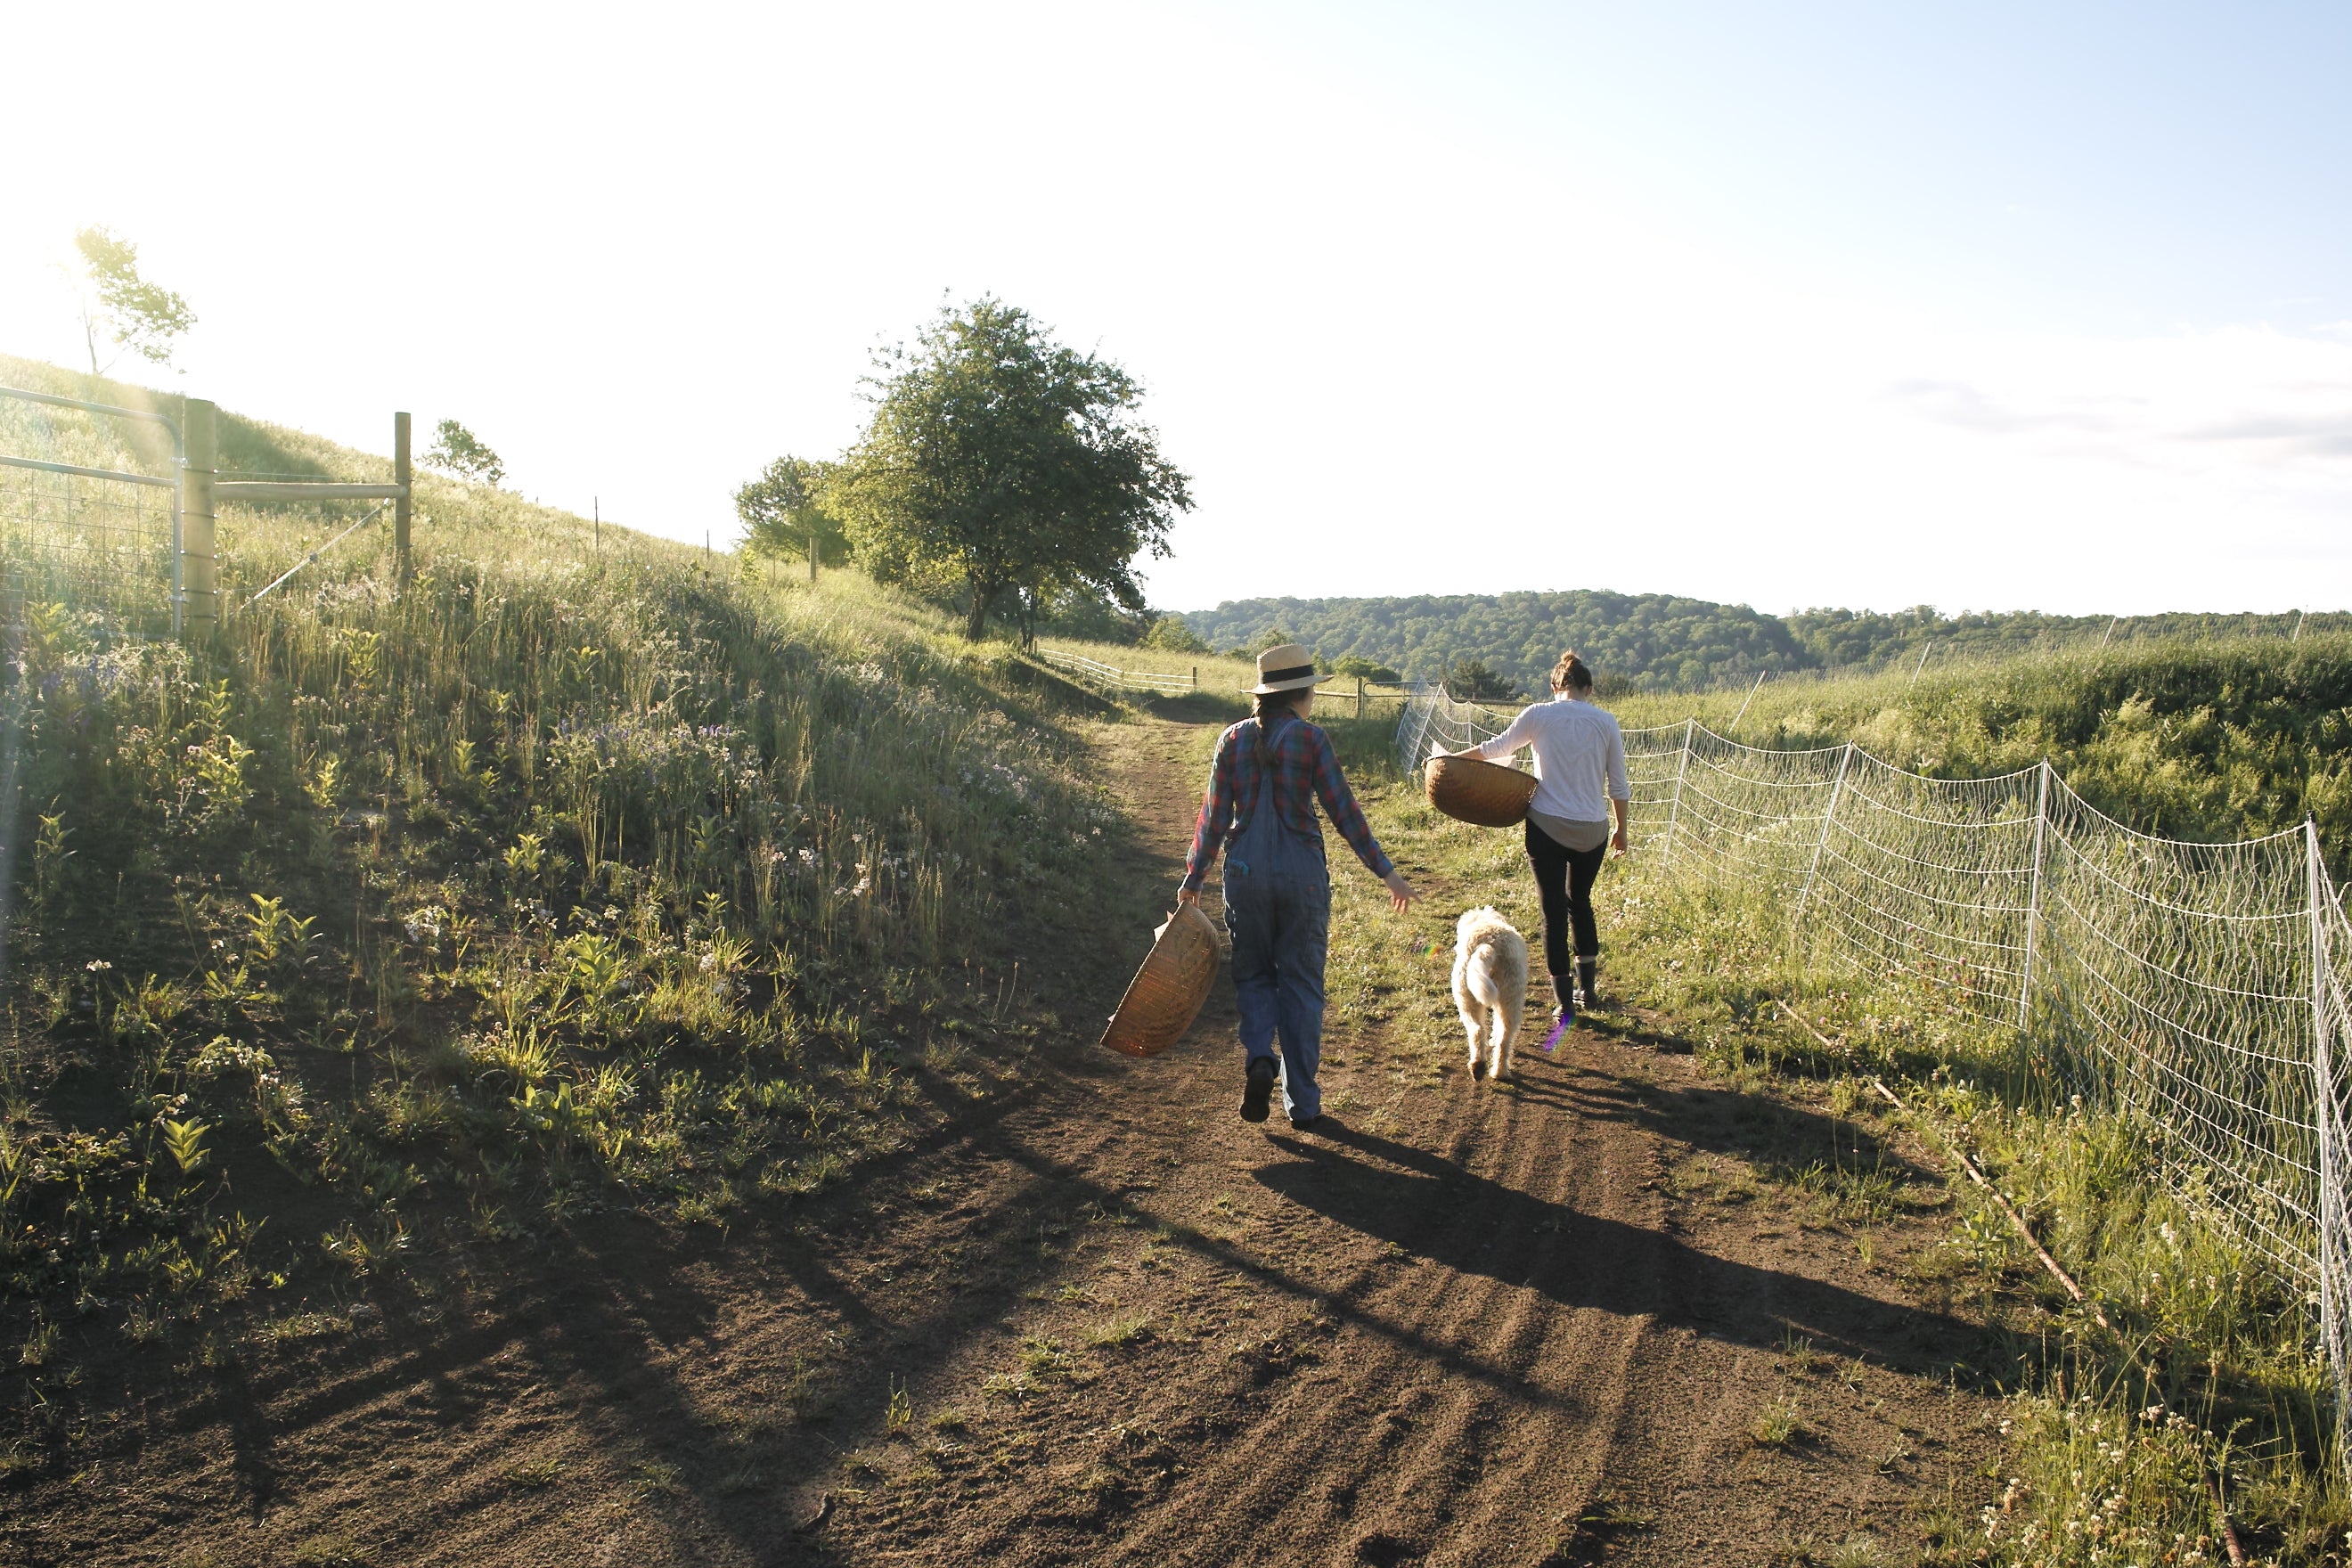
(581, 873)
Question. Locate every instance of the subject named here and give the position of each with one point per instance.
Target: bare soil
(1098, 1319)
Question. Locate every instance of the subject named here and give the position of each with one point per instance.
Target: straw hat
(1283, 667)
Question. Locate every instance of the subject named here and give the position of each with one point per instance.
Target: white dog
(1490, 985)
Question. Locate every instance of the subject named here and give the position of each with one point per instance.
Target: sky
(1986, 307)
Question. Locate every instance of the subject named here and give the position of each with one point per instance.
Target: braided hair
(1266, 706)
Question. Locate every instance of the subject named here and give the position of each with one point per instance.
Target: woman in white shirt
(1581, 780)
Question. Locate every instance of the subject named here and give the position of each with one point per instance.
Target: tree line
(1502, 645)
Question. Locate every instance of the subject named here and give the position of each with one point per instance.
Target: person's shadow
(1435, 1210)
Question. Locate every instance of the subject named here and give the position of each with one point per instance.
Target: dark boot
(1587, 972)
(1257, 1089)
(1566, 994)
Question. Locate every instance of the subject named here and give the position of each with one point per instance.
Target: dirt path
(1101, 1320)
(1482, 1332)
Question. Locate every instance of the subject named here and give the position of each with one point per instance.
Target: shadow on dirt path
(1095, 1318)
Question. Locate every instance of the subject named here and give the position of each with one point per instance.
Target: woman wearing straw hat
(1580, 779)
(1270, 770)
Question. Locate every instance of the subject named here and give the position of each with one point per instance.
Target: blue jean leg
(1281, 925)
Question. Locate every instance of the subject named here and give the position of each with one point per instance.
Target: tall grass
(578, 873)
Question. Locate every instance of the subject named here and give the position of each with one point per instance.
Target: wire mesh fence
(93, 544)
(2192, 986)
(88, 505)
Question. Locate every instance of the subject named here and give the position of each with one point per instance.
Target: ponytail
(1572, 673)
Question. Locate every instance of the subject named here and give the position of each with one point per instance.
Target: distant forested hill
(1657, 641)
(1653, 639)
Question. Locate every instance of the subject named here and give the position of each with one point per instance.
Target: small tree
(1472, 681)
(1008, 464)
(1364, 668)
(457, 450)
(142, 317)
(783, 511)
(1173, 634)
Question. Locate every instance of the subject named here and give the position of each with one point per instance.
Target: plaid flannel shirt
(1304, 771)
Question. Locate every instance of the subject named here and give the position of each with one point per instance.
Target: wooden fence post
(1360, 697)
(199, 564)
(402, 474)
(1196, 678)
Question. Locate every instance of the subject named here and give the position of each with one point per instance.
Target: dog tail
(1478, 975)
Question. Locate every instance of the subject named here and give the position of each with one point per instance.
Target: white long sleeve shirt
(1579, 757)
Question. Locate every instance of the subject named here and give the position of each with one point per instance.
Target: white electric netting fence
(2194, 985)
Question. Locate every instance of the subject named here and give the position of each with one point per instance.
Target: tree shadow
(1781, 1137)
(1435, 1210)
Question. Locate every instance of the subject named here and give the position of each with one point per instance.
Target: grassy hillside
(1655, 642)
(570, 877)
(2201, 740)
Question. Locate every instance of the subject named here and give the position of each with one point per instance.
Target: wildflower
(98, 966)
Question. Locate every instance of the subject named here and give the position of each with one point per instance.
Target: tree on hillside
(144, 317)
(782, 511)
(1008, 464)
(1470, 680)
(1171, 634)
(457, 450)
(1366, 669)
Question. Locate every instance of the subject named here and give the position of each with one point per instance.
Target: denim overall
(1278, 912)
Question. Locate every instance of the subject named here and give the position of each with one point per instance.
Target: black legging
(1564, 880)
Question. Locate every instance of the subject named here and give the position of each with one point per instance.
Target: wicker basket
(1166, 993)
(1478, 792)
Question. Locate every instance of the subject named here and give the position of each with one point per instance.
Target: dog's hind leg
(1507, 1022)
(1474, 1024)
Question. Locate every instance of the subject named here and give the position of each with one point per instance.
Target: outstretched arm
(1620, 791)
(1209, 830)
(1339, 804)
(1513, 737)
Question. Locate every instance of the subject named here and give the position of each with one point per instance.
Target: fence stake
(199, 569)
(401, 475)
(1837, 787)
(1752, 691)
(1360, 697)
(2331, 1197)
(2033, 897)
(1674, 809)
(1196, 678)
(178, 494)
